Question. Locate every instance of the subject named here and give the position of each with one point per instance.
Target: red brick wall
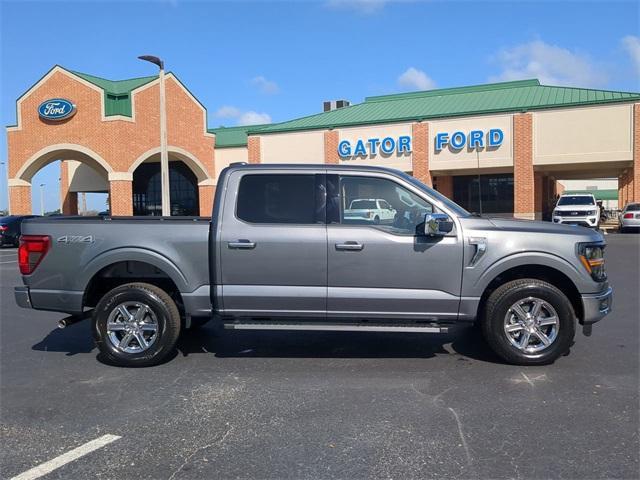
(445, 185)
(68, 199)
(253, 147)
(331, 140)
(206, 194)
(20, 200)
(635, 175)
(120, 197)
(523, 177)
(420, 155)
(118, 142)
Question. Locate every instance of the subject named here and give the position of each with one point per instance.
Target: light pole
(6, 165)
(42, 199)
(164, 155)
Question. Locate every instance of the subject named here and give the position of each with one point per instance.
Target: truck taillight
(3, 228)
(32, 250)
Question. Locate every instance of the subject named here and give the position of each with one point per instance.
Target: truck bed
(86, 251)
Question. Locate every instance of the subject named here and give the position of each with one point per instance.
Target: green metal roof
(228, 137)
(117, 98)
(605, 194)
(521, 95)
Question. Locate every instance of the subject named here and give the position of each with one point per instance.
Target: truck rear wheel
(136, 325)
(529, 322)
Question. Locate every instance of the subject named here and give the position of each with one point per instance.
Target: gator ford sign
(56, 109)
(375, 146)
(473, 140)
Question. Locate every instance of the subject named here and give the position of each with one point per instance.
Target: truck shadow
(72, 340)
(464, 343)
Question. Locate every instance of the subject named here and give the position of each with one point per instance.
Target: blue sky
(272, 61)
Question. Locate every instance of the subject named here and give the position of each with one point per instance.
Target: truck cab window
(381, 203)
(286, 199)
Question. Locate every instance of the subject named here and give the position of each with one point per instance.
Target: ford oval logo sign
(56, 109)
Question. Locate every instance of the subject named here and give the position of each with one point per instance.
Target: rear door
(389, 269)
(273, 247)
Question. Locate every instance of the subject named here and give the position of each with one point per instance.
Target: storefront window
(497, 193)
(183, 188)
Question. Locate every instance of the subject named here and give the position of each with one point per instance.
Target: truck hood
(531, 226)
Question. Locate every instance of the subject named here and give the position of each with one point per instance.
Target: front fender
(475, 283)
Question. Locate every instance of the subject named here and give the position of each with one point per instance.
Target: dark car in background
(10, 229)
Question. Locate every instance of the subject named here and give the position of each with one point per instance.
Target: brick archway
(206, 185)
(20, 185)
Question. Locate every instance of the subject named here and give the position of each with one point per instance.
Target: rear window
(576, 200)
(363, 205)
(289, 199)
(634, 207)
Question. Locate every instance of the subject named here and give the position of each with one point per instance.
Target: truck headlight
(591, 212)
(592, 258)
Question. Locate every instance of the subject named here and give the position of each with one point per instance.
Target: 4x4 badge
(76, 239)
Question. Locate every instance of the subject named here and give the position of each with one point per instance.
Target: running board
(340, 327)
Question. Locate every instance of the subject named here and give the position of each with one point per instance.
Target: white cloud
(414, 79)
(227, 111)
(631, 44)
(551, 64)
(253, 118)
(264, 85)
(248, 117)
(366, 7)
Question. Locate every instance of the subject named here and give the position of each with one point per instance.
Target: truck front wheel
(528, 322)
(136, 325)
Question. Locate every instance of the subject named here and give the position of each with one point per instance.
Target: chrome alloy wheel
(132, 327)
(531, 325)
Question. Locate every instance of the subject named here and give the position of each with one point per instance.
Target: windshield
(450, 204)
(576, 200)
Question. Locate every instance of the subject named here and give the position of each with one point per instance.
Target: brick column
(253, 147)
(445, 185)
(121, 197)
(20, 199)
(206, 194)
(523, 178)
(538, 195)
(331, 140)
(420, 154)
(635, 173)
(68, 199)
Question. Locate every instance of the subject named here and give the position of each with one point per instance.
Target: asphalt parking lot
(323, 405)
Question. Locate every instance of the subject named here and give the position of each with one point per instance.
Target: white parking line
(70, 456)
(11, 261)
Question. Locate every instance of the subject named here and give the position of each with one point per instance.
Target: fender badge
(75, 239)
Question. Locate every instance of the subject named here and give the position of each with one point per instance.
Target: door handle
(246, 244)
(355, 246)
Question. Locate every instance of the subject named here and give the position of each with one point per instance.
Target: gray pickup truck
(284, 251)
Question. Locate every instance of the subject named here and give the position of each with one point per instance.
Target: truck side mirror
(437, 224)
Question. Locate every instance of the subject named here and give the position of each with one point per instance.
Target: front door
(273, 245)
(386, 267)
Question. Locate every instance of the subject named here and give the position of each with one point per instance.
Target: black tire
(504, 297)
(168, 324)
(376, 220)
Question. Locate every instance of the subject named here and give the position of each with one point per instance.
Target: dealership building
(511, 141)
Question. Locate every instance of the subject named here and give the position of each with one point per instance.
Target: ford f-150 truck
(279, 253)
